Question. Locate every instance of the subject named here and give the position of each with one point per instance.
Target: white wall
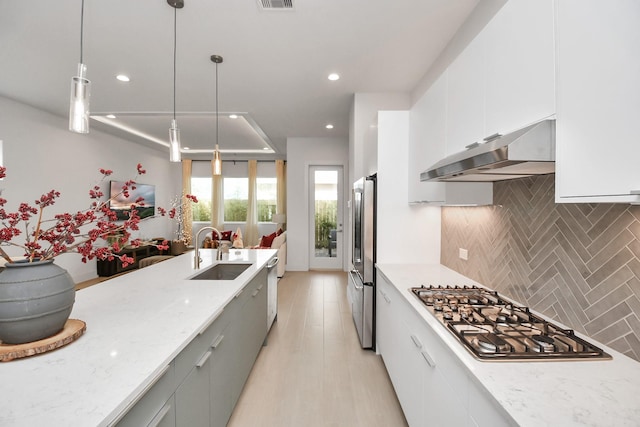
(301, 154)
(40, 154)
(363, 122)
(406, 233)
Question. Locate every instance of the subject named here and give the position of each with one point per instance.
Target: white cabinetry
(427, 145)
(598, 90)
(485, 411)
(465, 97)
(504, 79)
(519, 66)
(434, 388)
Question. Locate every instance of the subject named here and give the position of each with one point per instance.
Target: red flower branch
(72, 232)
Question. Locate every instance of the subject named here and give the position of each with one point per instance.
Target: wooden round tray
(72, 330)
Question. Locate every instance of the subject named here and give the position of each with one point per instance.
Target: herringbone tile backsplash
(576, 263)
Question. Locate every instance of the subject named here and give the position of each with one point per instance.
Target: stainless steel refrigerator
(361, 287)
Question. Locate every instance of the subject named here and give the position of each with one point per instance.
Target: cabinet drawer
(440, 356)
(151, 403)
(187, 359)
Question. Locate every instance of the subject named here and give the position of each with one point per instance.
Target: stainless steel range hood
(525, 152)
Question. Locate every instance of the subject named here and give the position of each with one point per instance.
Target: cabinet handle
(239, 292)
(386, 298)
(274, 261)
(256, 292)
(203, 359)
(217, 341)
(428, 358)
(492, 137)
(158, 418)
(416, 341)
(261, 286)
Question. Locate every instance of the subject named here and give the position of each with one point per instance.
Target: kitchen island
(465, 391)
(138, 324)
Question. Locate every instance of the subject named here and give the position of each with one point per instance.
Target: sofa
(278, 241)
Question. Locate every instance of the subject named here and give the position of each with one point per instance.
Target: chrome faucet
(197, 260)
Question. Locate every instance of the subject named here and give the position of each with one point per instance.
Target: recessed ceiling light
(123, 78)
(329, 126)
(333, 76)
(111, 116)
(233, 116)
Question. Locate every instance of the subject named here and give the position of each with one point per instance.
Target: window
(201, 188)
(235, 184)
(267, 196)
(236, 199)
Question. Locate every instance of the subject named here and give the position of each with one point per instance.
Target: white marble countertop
(539, 393)
(137, 324)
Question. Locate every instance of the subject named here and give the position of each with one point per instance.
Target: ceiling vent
(276, 4)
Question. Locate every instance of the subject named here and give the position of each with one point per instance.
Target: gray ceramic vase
(36, 299)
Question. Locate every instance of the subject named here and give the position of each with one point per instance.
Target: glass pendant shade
(79, 102)
(174, 142)
(217, 162)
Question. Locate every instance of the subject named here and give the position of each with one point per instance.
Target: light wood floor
(313, 372)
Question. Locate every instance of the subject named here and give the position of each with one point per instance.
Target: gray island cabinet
(203, 383)
(159, 350)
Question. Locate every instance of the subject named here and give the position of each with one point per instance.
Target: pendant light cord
(175, 36)
(81, 29)
(217, 127)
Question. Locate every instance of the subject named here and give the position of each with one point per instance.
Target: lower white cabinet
(432, 385)
(203, 383)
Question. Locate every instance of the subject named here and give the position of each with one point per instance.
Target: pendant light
(174, 132)
(217, 160)
(80, 92)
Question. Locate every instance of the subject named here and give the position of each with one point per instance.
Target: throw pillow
(226, 235)
(266, 241)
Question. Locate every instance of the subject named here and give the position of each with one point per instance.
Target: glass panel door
(326, 217)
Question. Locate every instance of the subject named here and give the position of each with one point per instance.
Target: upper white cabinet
(465, 94)
(519, 66)
(427, 145)
(598, 100)
(504, 79)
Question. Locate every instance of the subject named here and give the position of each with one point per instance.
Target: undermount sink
(222, 272)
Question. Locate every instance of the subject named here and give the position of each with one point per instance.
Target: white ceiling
(274, 73)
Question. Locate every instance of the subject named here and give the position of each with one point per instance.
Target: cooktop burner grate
(493, 328)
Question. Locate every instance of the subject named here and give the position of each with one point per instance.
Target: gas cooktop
(492, 328)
